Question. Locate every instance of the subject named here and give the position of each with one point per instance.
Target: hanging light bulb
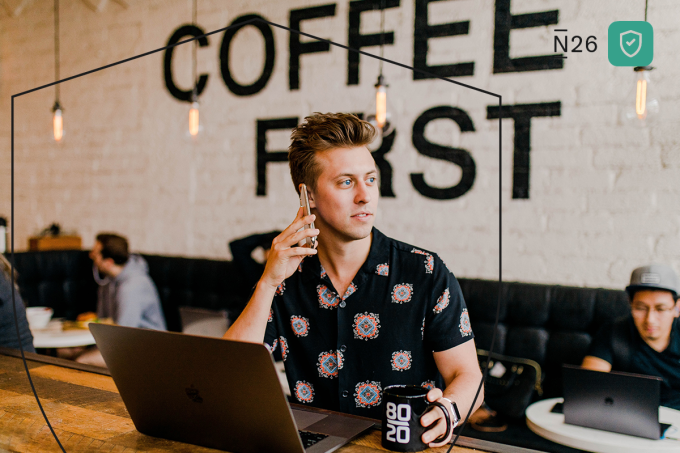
(57, 118)
(194, 124)
(645, 107)
(641, 98)
(381, 102)
(380, 116)
(642, 104)
(193, 116)
(57, 122)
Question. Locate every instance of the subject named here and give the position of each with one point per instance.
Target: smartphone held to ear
(304, 203)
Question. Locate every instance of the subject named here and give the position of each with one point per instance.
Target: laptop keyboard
(309, 438)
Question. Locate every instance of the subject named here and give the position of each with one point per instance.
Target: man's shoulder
(135, 277)
(675, 335)
(5, 286)
(138, 277)
(415, 256)
(402, 248)
(135, 268)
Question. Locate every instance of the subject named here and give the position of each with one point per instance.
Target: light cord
(194, 50)
(382, 35)
(56, 47)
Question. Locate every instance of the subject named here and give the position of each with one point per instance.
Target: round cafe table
(53, 336)
(552, 427)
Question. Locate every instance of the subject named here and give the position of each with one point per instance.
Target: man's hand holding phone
(286, 252)
(307, 210)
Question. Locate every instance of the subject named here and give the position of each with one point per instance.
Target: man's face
(654, 313)
(346, 193)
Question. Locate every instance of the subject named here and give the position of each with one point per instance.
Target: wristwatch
(455, 415)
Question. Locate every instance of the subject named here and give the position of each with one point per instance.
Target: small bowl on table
(38, 317)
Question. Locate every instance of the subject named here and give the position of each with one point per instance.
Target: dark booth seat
(58, 279)
(63, 280)
(547, 323)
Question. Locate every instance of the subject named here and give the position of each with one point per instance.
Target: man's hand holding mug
(410, 423)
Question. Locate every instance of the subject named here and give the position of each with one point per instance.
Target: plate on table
(75, 325)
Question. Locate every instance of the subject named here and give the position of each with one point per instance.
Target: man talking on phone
(361, 311)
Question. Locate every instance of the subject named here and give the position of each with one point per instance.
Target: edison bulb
(379, 114)
(58, 123)
(642, 105)
(193, 119)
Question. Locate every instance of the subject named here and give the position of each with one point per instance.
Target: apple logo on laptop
(609, 401)
(193, 395)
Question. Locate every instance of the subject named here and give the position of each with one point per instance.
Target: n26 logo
(576, 40)
(398, 417)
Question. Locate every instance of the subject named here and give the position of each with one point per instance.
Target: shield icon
(627, 40)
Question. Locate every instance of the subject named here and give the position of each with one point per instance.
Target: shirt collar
(379, 253)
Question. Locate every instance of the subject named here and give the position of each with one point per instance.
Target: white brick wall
(604, 195)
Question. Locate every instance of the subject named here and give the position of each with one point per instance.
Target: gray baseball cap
(654, 276)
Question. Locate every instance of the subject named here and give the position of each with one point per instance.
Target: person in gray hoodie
(126, 296)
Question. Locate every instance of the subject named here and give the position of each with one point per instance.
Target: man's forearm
(252, 323)
(462, 389)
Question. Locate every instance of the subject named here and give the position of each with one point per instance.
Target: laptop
(214, 393)
(623, 403)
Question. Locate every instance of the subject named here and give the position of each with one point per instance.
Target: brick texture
(604, 194)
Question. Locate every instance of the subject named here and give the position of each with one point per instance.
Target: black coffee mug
(403, 406)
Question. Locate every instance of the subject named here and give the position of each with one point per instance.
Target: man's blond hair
(321, 132)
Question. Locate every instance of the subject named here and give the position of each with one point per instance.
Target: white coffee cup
(38, 317)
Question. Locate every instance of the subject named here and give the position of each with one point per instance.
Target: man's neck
(342, 259)
(114, 271)
(659, 345)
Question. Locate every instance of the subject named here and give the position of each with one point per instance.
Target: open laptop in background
(623, 403)
(213, 392)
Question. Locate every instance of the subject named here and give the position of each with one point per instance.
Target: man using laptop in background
(361, 311)
(648, 340)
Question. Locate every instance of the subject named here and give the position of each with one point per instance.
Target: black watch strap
(455, 415)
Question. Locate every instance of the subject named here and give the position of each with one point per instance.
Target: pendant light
(194, 124)
(379, 115)
(646, 105)
(642, 105)
(57, 118)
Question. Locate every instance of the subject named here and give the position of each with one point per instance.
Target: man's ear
(676, 310)
(310, 196)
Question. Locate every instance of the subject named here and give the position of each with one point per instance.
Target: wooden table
(87, 413)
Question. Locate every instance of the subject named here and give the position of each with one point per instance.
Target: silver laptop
(214, 393)
(623, 403)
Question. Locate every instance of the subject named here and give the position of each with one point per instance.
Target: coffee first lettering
(423, 31)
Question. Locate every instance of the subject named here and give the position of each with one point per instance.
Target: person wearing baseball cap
(648, 340)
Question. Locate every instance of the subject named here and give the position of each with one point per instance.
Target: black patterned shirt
(340, 352)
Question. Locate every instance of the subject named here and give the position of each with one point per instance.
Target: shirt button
(345, 393)
(343, 304)
(343, 348)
